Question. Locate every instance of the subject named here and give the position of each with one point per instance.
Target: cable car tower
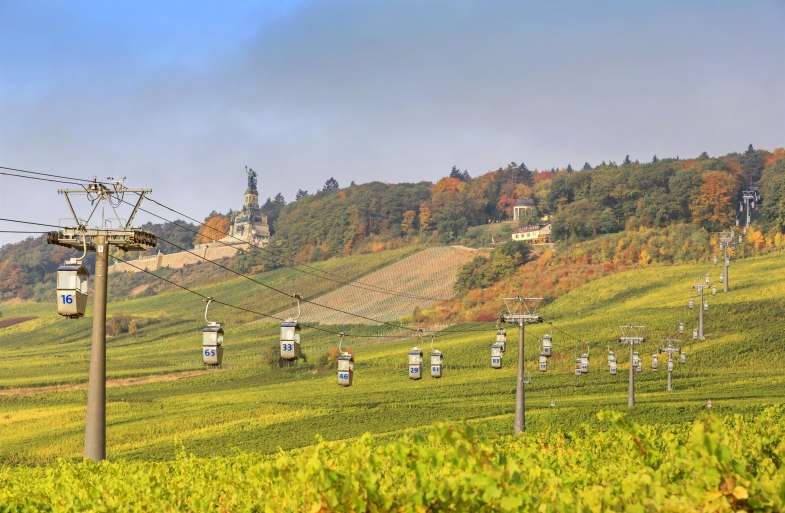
(748, 202)
(631, 335)
(100, 239)
(726, 238)
(521, 310)
(703, 305)
(670, 350)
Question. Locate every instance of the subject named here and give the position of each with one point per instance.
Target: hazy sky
(179, 96)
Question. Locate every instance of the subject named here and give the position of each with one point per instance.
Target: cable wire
(28, 222)
(340, 278)
(248, 310)
(279, 291)
(41, 179)
(45, 174)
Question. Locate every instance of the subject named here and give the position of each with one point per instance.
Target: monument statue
(251, 178)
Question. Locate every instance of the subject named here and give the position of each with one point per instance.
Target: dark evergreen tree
(330, 185)
(654, 159)
(586, 166)
(523, 175)
(279, 200)
(569, 168)
(627, 161)
(752, 164)
(300, 194)
(703, 155)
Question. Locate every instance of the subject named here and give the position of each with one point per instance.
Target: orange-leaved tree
(215, 228)
(714, 207)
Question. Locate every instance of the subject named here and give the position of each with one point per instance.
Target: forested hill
(606, 198)
(603, 199)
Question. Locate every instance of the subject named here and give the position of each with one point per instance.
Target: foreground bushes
(730, 464)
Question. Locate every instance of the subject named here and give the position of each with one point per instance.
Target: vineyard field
(250, 406)
(735, 463)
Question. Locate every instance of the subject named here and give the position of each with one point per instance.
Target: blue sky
(179, 96)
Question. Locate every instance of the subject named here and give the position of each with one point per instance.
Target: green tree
(330, 185)
(751, 165)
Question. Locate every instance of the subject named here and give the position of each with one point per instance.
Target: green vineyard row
(733, 463)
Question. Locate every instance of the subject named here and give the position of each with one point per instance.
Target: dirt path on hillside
(110, 383)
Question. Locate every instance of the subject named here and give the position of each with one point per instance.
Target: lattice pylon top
(518, 305)
(631, 331)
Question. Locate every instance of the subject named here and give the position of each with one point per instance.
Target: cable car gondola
(436, 360)
(212, 340)
(496, 356)
(415, 363)
(290, 335)
(72, 279)
(345, 365)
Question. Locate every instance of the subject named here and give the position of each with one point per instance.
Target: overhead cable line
(28, 222)
(279, 291)
(356, 284)
(46, 174)
(340, 278)
(41, 179)
(241, 308)
(21, 231)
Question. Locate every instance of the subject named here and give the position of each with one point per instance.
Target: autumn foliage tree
(714, 207)
(215, 228)
(407, 224)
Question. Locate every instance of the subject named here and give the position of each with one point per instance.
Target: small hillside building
(537, 234)
(521, 206)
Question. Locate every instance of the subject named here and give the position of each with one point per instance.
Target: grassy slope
(248, 406)
(55, 350)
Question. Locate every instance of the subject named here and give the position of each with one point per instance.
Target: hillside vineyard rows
(714, 443)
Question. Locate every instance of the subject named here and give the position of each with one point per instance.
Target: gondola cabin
(705, 305)
(691, 303)
(436, 363)
(612, 367)
(496, 356)
(501, 338)
(681, 327)
(415, 363)
(212, 344)
(578, 367)
(543, 363)
(694, 333)
(290, 340)
(635, 359)
(683, 357)
(345, 369)
(655, 361)
(547, 345)
(584, 363)
(72, 290)
(670, 365)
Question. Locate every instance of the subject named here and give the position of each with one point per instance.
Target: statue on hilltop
(251, 178)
